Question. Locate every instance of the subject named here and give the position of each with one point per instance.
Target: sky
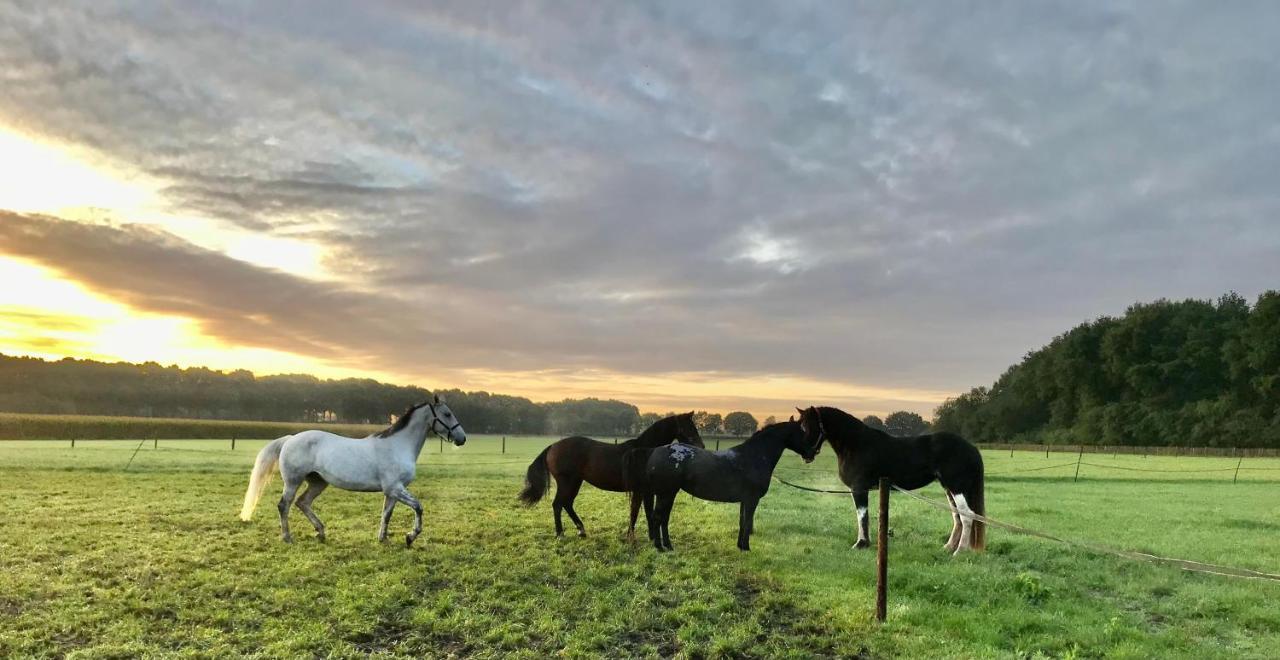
(705, 205)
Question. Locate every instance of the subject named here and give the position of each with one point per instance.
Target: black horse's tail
(633, 469)
(536, 480)
(977, 502)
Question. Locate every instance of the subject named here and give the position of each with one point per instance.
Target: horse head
(686, 431)
(443, 423)
(815, 433)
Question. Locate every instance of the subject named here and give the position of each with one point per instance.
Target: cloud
(887, 194)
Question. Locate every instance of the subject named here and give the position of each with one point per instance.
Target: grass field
(96, 561)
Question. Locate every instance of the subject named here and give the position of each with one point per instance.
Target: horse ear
(793, 418)
(438, 400)
(799, 410)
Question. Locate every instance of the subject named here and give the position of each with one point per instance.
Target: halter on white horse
(385, 462)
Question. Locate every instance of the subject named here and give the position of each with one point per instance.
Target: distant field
(23, 426)
(102, 562)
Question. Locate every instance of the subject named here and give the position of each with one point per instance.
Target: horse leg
(746, 516)
(388, 503)
(315, 486)
(286, 501)
(954, 539)
(566, 491)
(636, 498)
(661, 517)
(402, 495)
(860, 503)
(650, 517)
(966, 524)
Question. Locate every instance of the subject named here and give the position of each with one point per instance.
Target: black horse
(740, 474)
(865, 455)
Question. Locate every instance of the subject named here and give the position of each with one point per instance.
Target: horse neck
(414, 435)
(768, 446)
(661, 433)
(843, 431)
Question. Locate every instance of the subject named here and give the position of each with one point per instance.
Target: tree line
(1187, 373)
(88, 387)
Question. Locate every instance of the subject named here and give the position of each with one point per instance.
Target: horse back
(580, 457)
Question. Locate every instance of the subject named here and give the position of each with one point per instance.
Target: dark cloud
(888, 194)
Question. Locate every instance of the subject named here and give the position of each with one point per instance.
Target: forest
(1190, 373)
(87, 387)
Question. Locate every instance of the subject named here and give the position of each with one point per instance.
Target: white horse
(383, 462)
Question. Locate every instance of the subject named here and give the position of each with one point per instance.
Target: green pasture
(97, 561)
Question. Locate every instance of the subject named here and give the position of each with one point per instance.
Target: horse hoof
(862, 543)
(582, 533)
(320, 538)
(408, 540)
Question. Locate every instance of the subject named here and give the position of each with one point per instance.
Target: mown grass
(99, 562)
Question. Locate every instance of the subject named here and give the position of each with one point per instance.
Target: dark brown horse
(865, 455)
(576, 459)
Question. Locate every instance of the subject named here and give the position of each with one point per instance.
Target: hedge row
(22, 426)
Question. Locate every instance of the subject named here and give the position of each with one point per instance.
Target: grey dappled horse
(384, 462)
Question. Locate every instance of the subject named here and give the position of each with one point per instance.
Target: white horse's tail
(261, 475)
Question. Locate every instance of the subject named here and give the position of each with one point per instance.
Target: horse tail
(977, 502)
(633, 469)
(261, 475)
(536, 479)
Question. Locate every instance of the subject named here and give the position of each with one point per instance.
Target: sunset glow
(707, 218)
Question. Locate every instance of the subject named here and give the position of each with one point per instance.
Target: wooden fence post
(233, 444)
(1237, 476)
(442, 444)
(73, 443)
(717, 444)
(1046, 451)
(504, 444)
(882, 554)
(155, 442)
(1078, 458)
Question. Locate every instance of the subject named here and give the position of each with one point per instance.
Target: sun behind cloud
(45, 315)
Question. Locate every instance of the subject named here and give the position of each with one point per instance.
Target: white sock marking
(966, 522)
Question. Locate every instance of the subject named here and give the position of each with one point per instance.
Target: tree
(875, 423)
(770, 420)
(706, 422)
(904, 423)
(740, 423)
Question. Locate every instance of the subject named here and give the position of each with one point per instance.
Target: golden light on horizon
(51, 317)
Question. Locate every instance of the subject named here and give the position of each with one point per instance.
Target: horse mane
(654, 429)
(771, 430)
(401, 422)
(846, 426)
